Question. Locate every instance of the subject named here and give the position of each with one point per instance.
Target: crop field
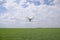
(29, 33)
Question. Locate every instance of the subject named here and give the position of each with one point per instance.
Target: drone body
(30, 19)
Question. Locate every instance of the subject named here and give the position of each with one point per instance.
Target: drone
(30, 19)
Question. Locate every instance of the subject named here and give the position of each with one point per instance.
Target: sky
(15, 13)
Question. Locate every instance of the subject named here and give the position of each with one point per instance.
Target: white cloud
(44, 16)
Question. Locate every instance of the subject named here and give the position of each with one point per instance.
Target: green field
(29, 34)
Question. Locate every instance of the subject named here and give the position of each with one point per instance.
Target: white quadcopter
(30, 18)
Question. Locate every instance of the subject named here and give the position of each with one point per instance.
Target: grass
(29, 33)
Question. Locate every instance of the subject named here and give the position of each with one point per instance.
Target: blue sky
(2, 8)
(14, 13)
(49, 2)
(17, 1)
